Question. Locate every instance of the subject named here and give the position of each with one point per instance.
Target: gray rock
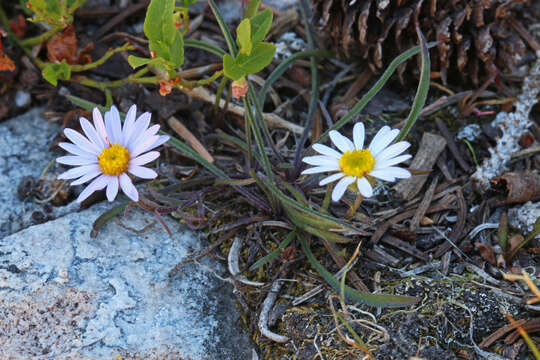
(22, 98)
(65, 295)
(24, 143)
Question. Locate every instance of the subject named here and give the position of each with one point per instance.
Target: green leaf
(53, 8)
(159, 48)
(136, 61)
(52, 72)
(350, 293)
(261, 55)
(177, 50)
(231, 69)
(159, 23)
(243, 37)
(50, 75)
(253, 7)
(260, 25)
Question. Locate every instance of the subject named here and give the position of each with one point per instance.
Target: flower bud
(240, 88)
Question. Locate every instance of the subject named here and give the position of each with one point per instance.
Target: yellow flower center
(114, 160)
(356, 163)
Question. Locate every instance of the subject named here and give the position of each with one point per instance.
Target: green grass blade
(283, 66)
(195, 156)
(315, 227)
(259, 121)
(374, 90)
(238, 142)
(85, 104)
(205, 46)
(351, 330)
(350, 293)
(106, 217)
(274, 253)
(314, 98)
(258, 139)
(224, 28)
(421, 92)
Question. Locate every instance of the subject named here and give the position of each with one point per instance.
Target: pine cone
(476, 38)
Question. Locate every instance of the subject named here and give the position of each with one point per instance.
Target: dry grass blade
(532, 287)
(185, 134)
(271, 119)
(358, 343)
(526, 337)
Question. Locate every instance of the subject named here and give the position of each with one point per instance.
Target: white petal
(143, 145)
(112, 188)
(77, 160)
(364, 187)
(391, 173)
(128, 188)
(320, 160)
(341, 187)
(114, 126)
(99, 125)
(145, 158)
(86, 177)
(142, 172)
(379, 135)
(140, 126)
(381, 174)
(393, 161)
(320, 169)
(392, 151)
(136, 140)
(91, 133)
(341, 142)
(326, 150)
(128, 123)
(78, 171)
(82, 142)
(378, 144)
(95, 185)
(74, 149)
(331, 178)
(359, 134)
(162, 140)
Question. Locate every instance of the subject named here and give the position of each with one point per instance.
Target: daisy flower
(354, 164)
(109, 152)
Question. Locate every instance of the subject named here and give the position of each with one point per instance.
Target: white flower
(356, 164)
(109, 151)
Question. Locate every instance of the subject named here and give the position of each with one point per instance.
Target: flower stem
(354, 207)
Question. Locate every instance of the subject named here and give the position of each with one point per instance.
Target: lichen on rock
(513, 125)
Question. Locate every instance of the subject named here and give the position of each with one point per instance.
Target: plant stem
(258, 139)
(354, 206)
(304, 9)
(108, 54)
(42, 37)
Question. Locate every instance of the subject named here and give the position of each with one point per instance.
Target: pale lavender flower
(107, 152)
